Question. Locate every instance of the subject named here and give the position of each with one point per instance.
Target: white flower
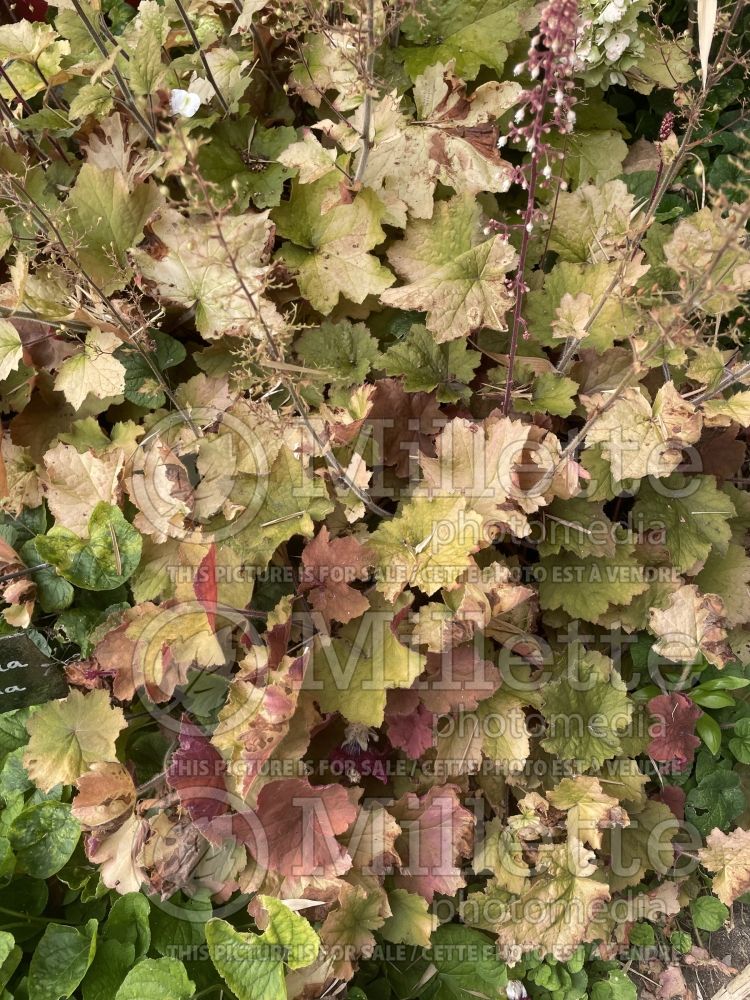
(515, 990)
(615, 45)
(184, 103)
(612, 13)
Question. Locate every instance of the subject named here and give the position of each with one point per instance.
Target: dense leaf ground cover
(375, 396)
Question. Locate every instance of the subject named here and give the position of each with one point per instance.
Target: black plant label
(28, 676)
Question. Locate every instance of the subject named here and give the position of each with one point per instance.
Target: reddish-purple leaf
(673, 738)
(196, 772)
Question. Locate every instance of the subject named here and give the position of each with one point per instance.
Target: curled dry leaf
(691, 624)
(105, 793)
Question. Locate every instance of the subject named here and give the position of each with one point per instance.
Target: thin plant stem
(31, 317)
(110, 37)
(50, 92)
(5, 577)
(520, 285)
(322, 95)
(728, 380)
(550, 61)
(26, 917)
(627, 379)
(19, 96)
(558, 188)
(122, 84)
(5, 109)
(263, 55)
(201, 55)
(367, 106)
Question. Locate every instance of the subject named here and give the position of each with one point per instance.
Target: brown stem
(31, 317)
(632, 373)
(50, 93)
(321, 94)
(110, 37)
(555, 203)
(6, 111)
(528, 220)
(19, 96)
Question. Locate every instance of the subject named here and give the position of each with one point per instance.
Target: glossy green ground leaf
(466, 962)
(10, 956)
(142, 384)
(104, 560)
(43, 837)
(715, 802)
(708, 913)
(156, 979)
(60, 961)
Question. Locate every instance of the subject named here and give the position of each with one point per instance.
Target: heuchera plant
(373, 521)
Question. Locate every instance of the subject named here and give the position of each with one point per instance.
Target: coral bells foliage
(373, 536)
(673, 738)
